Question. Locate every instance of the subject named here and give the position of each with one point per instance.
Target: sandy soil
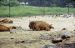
(35, 39)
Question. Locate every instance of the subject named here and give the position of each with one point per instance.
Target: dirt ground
(26, 38)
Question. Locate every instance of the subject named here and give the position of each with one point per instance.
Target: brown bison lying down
(6, 21)
(6, 28)
(39, 25)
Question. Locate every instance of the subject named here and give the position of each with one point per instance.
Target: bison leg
(37, 29)
(47, 29)
(34, 29)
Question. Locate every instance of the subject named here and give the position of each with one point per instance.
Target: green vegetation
(32, 10)
(9, 2)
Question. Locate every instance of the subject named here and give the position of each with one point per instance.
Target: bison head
(31, 24)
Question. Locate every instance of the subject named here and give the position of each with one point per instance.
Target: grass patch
(32, 10)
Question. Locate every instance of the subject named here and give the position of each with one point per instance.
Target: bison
(40, 25)
(6, 21)
(6, 28)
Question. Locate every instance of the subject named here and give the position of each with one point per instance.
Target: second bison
(39, 25)
(6, 28)
(6, 21)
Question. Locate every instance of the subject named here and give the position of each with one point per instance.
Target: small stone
(65, 37)
(22, 41)
(57, 40)
(11, 38)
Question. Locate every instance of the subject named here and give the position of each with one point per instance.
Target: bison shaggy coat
(6, 21)
(39, 25)
(6, 28)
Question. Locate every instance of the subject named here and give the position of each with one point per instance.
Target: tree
(9, 2)
(61, 3)
(13, 3)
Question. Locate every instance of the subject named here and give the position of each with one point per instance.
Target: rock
(66, 33)
(57, 40)
(45, 37)
(72, 45)
(65, 37)
(63, 28)
(22, 41)
(48, 46)
(11, 38)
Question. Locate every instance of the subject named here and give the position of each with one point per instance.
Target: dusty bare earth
(26, 38)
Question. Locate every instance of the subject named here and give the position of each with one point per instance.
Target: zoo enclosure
(10, 8)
